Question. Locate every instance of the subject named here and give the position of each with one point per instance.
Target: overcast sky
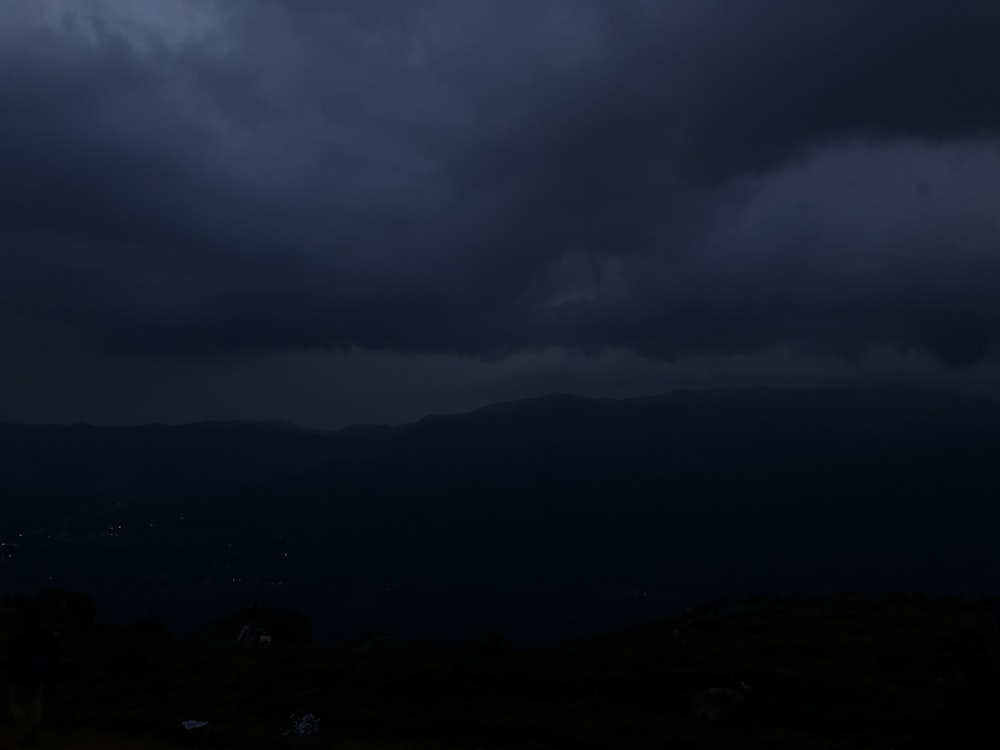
(335, 211)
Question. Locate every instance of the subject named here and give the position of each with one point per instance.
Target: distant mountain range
(559, 506)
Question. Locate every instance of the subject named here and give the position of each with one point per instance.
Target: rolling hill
(554, 514)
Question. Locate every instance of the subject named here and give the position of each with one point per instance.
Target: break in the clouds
(685, 178)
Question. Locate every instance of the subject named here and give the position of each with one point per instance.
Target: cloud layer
(675, 179)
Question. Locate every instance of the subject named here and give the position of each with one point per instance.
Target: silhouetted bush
(60, 609)
(66, 609)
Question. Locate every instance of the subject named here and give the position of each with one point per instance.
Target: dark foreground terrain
(824, 671)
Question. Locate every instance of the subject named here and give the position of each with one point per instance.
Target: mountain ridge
(546, 398)
(520, 514)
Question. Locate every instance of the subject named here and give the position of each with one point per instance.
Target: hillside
(541, 517)
(824, 671)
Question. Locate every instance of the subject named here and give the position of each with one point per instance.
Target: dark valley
(538, 520)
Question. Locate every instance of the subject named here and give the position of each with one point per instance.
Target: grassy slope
(827, 672)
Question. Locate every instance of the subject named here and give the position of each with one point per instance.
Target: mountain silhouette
(546, 509)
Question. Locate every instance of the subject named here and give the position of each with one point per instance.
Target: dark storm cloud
(672, 178)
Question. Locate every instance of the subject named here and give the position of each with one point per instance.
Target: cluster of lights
(7, 548)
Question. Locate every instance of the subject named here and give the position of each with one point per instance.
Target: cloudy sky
(334, 211)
